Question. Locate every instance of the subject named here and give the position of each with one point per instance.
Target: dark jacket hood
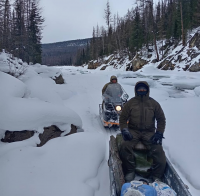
(146, 84)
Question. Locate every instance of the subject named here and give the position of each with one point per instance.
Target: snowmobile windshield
(114, 93)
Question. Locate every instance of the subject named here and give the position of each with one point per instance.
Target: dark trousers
(154, 151)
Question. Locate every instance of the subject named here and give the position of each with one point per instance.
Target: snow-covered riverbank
(77, 164)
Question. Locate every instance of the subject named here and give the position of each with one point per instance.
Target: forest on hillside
(142, 26)
(21, 28)
(63, 53)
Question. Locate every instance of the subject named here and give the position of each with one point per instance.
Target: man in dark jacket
(141, 111)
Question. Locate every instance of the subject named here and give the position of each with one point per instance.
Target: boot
(129, 177)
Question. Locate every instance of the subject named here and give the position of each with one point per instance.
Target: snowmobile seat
(140, 146)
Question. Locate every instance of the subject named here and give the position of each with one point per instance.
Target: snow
(34, 101)
(11, 86)
(182, 136)
(32, 114)
(64, 166)
(197, 91)
(46, 91)
(185, 84)
(78, 163)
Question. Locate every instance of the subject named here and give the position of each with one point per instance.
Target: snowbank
(32, 114)
(11, 86)
(44, 89)
(12, 65)
(34, 101)
(182, 136)
(70, 165)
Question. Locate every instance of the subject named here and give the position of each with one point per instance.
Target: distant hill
(62, 53)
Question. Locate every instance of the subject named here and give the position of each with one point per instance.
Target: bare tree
(108, 14)
(103, 34)
(154, 27)
(118, 32)
(182, 29)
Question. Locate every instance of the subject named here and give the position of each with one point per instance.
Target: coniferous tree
(144, 26)
(103, 37)
(7, 26)
(110, 47)
(19, 30)
(196, 13)
(136, 37)
(34, 32)
(2, 7)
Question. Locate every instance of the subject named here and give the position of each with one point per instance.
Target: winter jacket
(141, 113)
(106, 85)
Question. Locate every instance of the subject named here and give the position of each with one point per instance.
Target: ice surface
(187, 84)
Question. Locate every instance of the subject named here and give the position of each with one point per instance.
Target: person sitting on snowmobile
(141, 111)
(108, 90)
(113, 80)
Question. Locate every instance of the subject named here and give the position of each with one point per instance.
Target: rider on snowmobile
(113, 80)
(141, 111)
(110, 87)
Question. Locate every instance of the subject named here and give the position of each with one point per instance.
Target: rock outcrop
(185, 58)
(166, 65)
(59, 79)
(16, 136)
(94, 64)
(195, 41)
(109, 59)
(48, 134)
(104, 67)
(195, 67)
(113, 60)
(138, 63)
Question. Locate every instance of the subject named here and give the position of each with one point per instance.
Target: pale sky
(74, 19)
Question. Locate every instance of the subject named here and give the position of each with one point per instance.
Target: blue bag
(137, 188)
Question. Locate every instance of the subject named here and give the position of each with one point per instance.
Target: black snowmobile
(114, 98)
(143, 164)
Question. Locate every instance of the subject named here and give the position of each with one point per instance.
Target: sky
(74, 19)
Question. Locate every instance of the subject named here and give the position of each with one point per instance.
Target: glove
(157, 138)
(127, 136)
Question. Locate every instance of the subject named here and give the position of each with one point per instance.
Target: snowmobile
(114, 98)
(143, 164)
